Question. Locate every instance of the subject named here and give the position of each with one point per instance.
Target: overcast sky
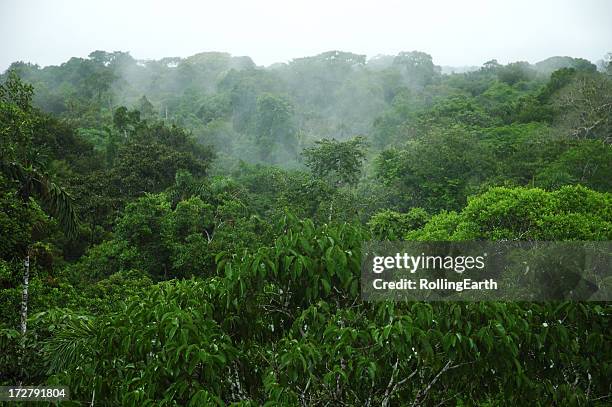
(48, 32)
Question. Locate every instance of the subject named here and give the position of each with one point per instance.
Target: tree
(584, 107)
(19, 158)
(439, 170)
(491, 66)
(188, 232)
(339, 162)
(587, 163)
(126, 120)
(274, 126)
(146, 108)
(552, 64)
(316, 79)
(515, 72)
(170, 349)
(558, 79)
(417, 66)
(391, 225)
(19, 164)
(570, 213)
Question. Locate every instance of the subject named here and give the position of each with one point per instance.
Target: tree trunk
(24, 295)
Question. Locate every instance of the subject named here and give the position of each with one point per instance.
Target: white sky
(453, 32)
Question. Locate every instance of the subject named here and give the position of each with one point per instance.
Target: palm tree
(18, 164)
(55, 200)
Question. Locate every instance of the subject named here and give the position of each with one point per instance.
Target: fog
(455, 33)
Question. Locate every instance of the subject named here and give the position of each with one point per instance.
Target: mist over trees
(222, 99)
(192, 227)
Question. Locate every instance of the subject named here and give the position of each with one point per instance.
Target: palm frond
(71, 345)
(55, 199)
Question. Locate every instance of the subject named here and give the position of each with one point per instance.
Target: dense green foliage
(194, 227)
